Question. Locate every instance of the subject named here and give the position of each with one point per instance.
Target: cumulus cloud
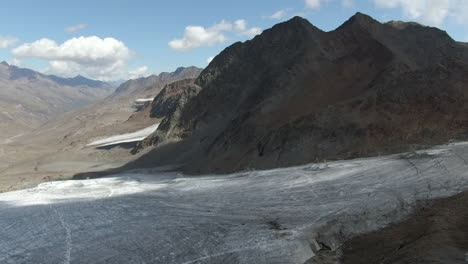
(75, 27)
(240, 25)
(138, 72)
(198, 36)
(312, 4)
(83, 50)
(280, 14)
(433, 12)
(7, 41)
(103, 59)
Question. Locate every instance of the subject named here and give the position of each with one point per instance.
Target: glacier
(270, 216)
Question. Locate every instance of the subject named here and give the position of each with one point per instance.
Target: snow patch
(125, 138)
(144, 100)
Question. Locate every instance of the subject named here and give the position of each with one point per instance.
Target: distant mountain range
(15, 73)
(296, 94)
(29, 98)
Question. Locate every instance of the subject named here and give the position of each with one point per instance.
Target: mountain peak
(79, 77)
(361, 20)
(4, 63)
(179, 70)
(297, 21)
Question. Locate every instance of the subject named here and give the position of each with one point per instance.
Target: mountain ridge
(296, 94)
(19, 72)
(157, 79)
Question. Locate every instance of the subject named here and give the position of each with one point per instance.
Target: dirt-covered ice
(273, 216)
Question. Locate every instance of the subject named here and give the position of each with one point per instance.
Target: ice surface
(125, 138)
(268, 216)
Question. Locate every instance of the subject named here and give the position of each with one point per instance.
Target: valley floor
(273, 216)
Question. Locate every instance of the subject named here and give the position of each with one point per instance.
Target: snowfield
(144, 100)
(272, 216)
(125, 138)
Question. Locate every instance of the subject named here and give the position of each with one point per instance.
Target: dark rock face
(169, 104)
(296, 94)
(165, 103)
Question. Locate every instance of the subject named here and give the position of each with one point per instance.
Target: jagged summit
(359, 20)
(297, 20)
(296, 23)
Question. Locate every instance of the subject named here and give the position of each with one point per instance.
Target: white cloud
(83, 50)
(252, 32)
(280, 14)
(103, 59)
(222, 26)
(75, 27)
(138, 72)
(7, 41)
(312, 4)
(347, 3)
(198, 36)
(433, 12)
(15, 62)
(209, 59)
(240, 25)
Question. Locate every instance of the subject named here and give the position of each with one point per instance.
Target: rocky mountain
(80, 81)
(296, 94)
(29, 98)
(166, 101)
(157, 80)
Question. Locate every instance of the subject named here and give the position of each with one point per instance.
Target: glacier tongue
(272, 216)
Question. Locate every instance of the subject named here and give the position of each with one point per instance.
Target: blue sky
(140, 34)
